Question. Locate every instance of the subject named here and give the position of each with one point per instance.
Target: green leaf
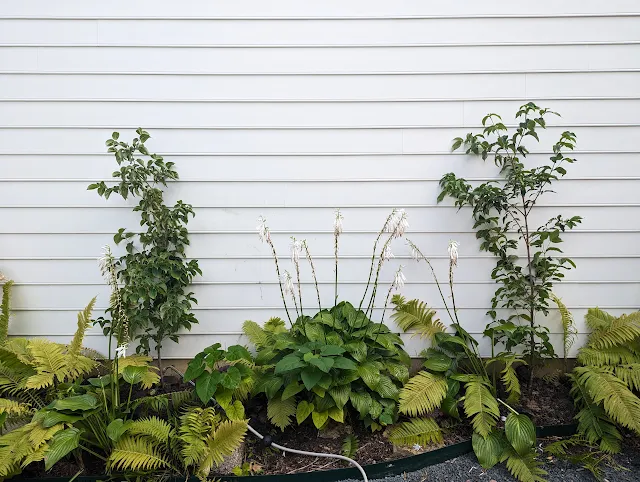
(238, 352)
(101, 382)
(320, 418)
(369, 374)
(520, 432)
(53, 417)
(438, 362)
(292, 389)
(303, 411)
(207, 384)
(488, 449)
(62, 443)
(336, 414)
(235, 411)
(310, 377)
(75, 403)
(116, 429)
(231, 378)
(133, 374)
(195, 368)
(324, 363)
(288, 363)
(343, 363)
(340, 394)
(331, 350)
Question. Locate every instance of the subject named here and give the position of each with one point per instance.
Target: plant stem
(92, 452)
(506, 405)
(275, 259)
(532, 339)
(336, 235)
(373, 256)
(313, 273)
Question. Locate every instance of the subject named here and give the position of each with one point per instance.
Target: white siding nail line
(280, 308)
(299, 232)
(323, 46)
(323, 256)
(301, 154)
(328, 17)
(303, 128)
(317, 206)
(317, 100)
(205, 333)
(311, 180)
(315, 74)
(328, 282)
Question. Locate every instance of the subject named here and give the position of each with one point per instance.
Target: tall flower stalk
(305, 247)
(265, 236)
(337, 231)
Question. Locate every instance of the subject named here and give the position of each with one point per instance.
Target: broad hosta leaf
(361, 401)
(369, 374)
(344, 363)
(398, 371)
(357, 349)
(303, 411)
(235, 411)
(336, 414)
(320, 418)
(291, 390)
(75, 403)
(116, 429)
(488, 449)
(386, 388)
(520, 432)
(62, 443)
(288, 363)
(310, 377)
(438, 362)
(340, 394)
(133, 374)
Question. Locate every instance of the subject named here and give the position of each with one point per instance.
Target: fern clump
(606, 382)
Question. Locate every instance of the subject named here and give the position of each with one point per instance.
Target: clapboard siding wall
(289, 109)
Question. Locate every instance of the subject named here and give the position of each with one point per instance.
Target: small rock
(232, 461)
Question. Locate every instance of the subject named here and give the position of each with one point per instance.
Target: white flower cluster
(397, 223)
(399, 279)
(296, 250)
(453, 252)
(287, 283)
(337, 224)
(263, 231)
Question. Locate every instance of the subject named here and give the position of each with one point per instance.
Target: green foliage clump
(607, 379)
(505, 207)
(154, 272)
(329, 366)
(227, 376)
(5, 309)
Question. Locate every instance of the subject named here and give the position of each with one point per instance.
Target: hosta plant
(454, 374)
(529, 260)
(226, 376)
(331, 363)
(340, 364)
(606, 381)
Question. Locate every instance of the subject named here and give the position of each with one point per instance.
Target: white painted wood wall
(289, 109)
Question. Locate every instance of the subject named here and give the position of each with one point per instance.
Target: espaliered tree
(154, 272)
(529, 260)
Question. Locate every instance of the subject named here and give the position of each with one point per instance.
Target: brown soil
(548, 402)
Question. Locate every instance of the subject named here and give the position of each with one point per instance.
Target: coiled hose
(293, 451)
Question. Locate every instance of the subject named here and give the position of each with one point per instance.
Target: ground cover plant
(502, 212)
(154, 272)
(336, 363)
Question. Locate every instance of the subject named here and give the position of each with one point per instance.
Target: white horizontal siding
(289, 109)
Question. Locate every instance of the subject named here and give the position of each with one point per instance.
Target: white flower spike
(105, 261)
(415, 254)
(296, 249)
(263, 230)
(121, 351)
(392, 220)
(399, 279)
(401, 225)
(287, 282)
(453, 252)
(337, 224)
(386, 252)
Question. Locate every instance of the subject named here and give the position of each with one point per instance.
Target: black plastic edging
(374, 471)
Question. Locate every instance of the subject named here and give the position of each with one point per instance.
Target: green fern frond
(615, 355)
(624, 329)
(84, 323)
(12, 407)
(421, 431)
(525, 468)
(196, 425)
(49, 361)
(225, 440)
(350, 446)
(480, 405)
(153, 427)
(597, 319)
(5, 311)
(280, 411)
(618, 401)
(630, 375)
(569, 331)
(416, 315)
(422, 394)
(136, 454)
(259, 337)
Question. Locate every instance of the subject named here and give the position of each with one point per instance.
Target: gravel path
(467, 469)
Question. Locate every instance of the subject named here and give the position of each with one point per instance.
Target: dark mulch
(549, 402)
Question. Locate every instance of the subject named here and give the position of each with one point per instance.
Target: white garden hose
(294, 451)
